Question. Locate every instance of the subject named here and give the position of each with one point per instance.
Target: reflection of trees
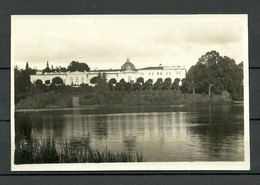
(40, 126)
(58, 125)
(23, 127)
(50, 125)
(129, 143)
(100, 127)
(219, 131)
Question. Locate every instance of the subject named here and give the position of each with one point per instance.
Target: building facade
(128, 72)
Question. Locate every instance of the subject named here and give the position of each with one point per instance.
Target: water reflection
(178, 133)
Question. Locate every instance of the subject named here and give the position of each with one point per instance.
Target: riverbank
(92, 107)
(54, 101)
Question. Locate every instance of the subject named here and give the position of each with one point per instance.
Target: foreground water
(166, 133)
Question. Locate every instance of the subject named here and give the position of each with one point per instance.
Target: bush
(50, 99)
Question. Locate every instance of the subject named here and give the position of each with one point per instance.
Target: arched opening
(71, 80)
(77, 81)
(82, 80)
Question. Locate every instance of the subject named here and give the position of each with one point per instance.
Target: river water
(160, 133)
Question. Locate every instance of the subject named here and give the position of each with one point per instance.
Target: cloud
(106, 42)
(204, 33)
(214, 33)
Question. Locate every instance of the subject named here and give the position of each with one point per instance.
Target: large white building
(128, 72)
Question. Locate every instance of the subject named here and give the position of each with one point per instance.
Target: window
(166, 73)
(71, 80)
(149, 73)
(82, 80)
(160, 73)
(169, 73)
(77, 80)
(157, 73)
(152, 73)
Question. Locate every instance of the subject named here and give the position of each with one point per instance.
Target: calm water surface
(177, 133)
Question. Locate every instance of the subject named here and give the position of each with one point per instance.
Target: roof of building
(76, 72)
(151, 68)
(51, 73)
(128, 66)
(128, 63)
(105, 70)
(163, 67)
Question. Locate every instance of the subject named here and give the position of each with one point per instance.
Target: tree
(57, 81)
(158, 84)
(76, 66)
(101, 89)
(137, 86)
(112, 84)
(47, 69)
(140, 80)
(210, 58)
(94, 80)
(112, 81)
(148, 84)
(167, 83)
(175, 84)
(128, 86)
(38, 83)
(27, 66)
(119, 87)
(22, 82)
(101, 82)
(47, 82)
(123, 83)
(220, 73)
(185, 85)
(62, 69)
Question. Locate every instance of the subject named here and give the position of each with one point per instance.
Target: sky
(105, 41)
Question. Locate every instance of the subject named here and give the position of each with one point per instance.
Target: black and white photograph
(129, 92)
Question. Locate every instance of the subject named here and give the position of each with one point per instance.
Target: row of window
(160, 73)
(77, 80)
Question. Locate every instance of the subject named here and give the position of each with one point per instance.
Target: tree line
(23, 86)
(212, 72)
(139, 84)
(73, 66)
(216, 73)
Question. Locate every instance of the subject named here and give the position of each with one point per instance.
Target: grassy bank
(152, 98)
(46, 151)
(46, 100)
(124, 98)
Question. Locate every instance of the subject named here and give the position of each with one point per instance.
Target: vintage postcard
(129, 92)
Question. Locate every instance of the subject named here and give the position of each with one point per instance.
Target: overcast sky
(106, 41)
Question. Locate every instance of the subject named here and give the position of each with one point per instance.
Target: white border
(146, 166)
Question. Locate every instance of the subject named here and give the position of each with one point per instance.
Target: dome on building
(128, 66)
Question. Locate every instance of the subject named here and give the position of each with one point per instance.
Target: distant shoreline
(84, 107)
